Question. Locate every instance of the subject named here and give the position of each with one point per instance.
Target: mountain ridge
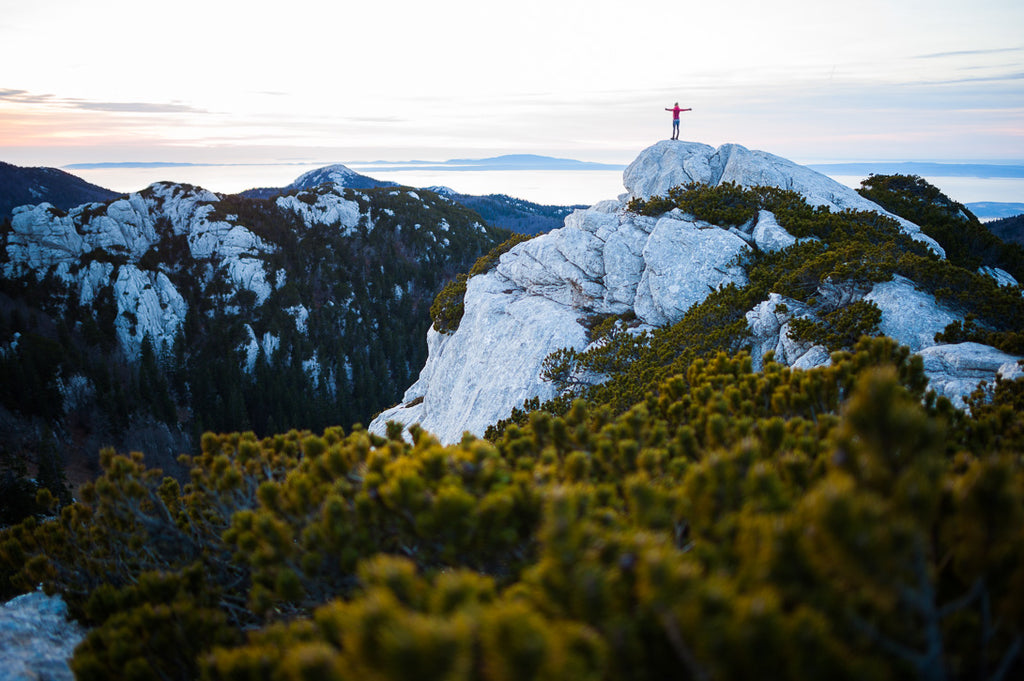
(218, 312)
(28, 185)
(609, 261)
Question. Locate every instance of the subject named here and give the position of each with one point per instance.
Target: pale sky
(305, 80)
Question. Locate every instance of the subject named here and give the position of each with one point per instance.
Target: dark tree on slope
(1010, 230)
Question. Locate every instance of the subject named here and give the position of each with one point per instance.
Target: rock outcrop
(98, 245)
(955, 371)
(36, 638)
(669, 164)
(605, 260)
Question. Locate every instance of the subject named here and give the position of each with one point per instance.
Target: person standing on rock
(675, 119)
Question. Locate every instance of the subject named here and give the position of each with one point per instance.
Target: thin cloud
(26, 97)
(980, 79)
(375, 119)
(967, 53)
(133, 107)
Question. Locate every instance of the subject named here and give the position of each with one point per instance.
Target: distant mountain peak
(340, 175)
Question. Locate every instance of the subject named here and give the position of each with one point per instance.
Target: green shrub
(448, 307)
(728, 523)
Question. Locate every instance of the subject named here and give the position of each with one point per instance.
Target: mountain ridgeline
(20, 186)
(143, 322)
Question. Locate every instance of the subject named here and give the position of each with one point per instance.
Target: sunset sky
(241, 82)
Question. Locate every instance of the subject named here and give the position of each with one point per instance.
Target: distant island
(505, 162)
(924, 169)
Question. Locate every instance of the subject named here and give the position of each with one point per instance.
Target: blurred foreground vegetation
(831, 523)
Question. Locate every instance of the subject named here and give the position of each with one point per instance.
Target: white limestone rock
(1002, 277)
(490, 364)
(44, 241)
(815, 356)
(125, 226)
(624, 262)
(36, 638)
(41, 238)
(769, 323)
(909, 315)
(670, 163)
(147, 305)
(769, 235)
(92, 279)
(246, 272)
(607, 261)
(684, 261)
(329, 209)
(955, 371)
(566, 268)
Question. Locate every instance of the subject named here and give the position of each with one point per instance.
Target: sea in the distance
(548, 187)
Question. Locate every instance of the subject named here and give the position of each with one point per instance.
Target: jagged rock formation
(178, 310)
(609, 261)
(95, 244)
(36, 638)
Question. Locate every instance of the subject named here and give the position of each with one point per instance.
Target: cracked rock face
(603, 261)
(606, 261)
(43, 241)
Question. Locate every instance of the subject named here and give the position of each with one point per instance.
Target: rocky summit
(607, 260)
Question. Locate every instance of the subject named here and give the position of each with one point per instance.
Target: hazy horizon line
(985, 169)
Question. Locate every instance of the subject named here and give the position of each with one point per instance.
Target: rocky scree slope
(175, 310)
(544, 294)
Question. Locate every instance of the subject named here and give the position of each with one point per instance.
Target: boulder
(684, 261)
(769, 235)
(909, 315)
(1002, 277)
(955, 371)
(36, 638)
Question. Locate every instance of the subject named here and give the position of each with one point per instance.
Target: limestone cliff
(607, 260)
